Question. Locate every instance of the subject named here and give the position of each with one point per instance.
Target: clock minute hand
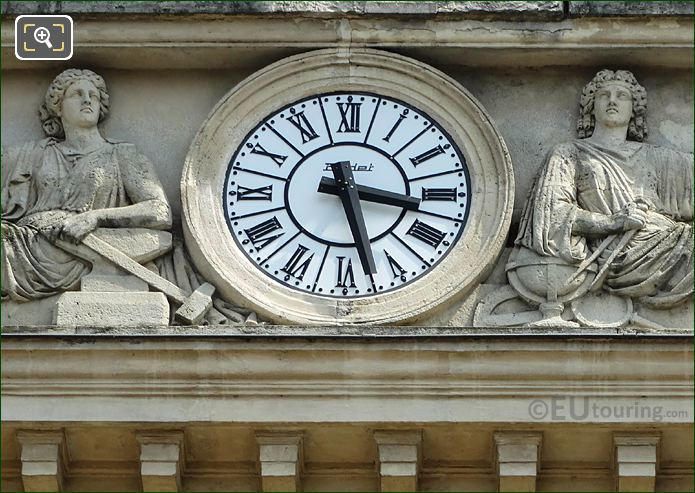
(347, 192)
(371, 194)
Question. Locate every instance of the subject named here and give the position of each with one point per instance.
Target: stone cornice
(344, 333)
(149, 42)
(516, 9)
(437, 379)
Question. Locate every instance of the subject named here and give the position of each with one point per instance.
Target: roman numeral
(426, 233)
(300, 121)
(396, 268)
(258, 149)
(260, 193)
(294, 266)
(401, 117)
(421, 158)
(351, 124)
(343, 277)
(438, 194)
(258, 235)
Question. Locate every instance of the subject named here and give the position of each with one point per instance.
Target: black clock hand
(371, 194)
(353, 211)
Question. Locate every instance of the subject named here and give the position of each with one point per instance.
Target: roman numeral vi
(349, 275)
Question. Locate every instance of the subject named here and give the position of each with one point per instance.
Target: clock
(346, 194)
(346, 187)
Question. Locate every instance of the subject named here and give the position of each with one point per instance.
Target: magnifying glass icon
(43, 35)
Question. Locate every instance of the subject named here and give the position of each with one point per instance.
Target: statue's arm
(150, 207)
(595, 224)
(675, 185)
(554, 219)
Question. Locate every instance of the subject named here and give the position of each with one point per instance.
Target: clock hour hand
(347, 191)
(371, 194)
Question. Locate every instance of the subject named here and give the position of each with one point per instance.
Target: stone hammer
(194, 305)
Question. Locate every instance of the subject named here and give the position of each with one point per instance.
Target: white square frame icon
(67, 18)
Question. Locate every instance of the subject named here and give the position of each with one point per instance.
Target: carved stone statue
(608, 214)
(70, 184)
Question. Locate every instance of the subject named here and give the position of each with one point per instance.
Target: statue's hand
(76, 227)
(632, 216)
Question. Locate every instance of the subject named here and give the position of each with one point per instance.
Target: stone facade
(153, 362)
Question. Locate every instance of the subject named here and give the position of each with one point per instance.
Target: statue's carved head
(637, 127)
(51, 109)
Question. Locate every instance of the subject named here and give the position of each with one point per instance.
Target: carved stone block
(161, 458)
(281, 460)
(635, 462)
(43, 459)
(112, 309)
(517, 459)
(105, 283)
(399, 459)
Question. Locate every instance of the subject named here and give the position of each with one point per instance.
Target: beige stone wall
(160, 111)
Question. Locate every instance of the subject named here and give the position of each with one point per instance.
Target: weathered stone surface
(161, 459)
(108, 309)
(516, 9)
(578, 9)
(350, 332)
(459, 390)
(43, 459)
(517, 456)
(281, 459)
(224, 263)
(605, 259)
(105, 283)
(400, 459)
(636, 461)
(194, 307)
(552, 9)
(87, 182)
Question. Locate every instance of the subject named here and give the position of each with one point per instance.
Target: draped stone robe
(656, 265)
(46, 184)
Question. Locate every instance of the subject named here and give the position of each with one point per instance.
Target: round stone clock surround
(334, 71)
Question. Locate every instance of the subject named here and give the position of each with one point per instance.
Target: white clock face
(347, 194)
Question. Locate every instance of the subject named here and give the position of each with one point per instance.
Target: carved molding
(489, 370)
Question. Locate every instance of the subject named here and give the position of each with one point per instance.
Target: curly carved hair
(637, 128)
(50, 109)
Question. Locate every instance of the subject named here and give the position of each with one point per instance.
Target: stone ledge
(435, 380)
(345, 332)
(536, 10)
(516, 9)
(592, 9)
